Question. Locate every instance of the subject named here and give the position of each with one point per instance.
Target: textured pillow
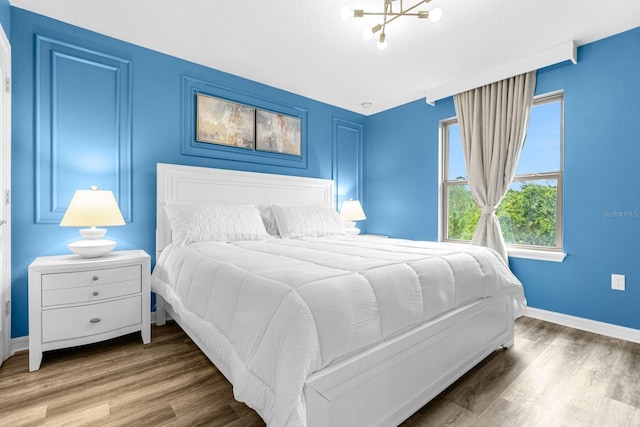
(312, 221)
(192, 222)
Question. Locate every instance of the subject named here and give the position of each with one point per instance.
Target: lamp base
(93, 233)
(354, 231)
(92, 248)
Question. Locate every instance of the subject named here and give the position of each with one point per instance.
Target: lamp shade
(352, 211)
(92, 208)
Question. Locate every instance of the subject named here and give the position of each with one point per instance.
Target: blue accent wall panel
(83, 135)
(348, 139)
(89, 81)
(601, 173)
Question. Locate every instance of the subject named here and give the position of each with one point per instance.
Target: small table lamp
(92, 208)
(352, 211)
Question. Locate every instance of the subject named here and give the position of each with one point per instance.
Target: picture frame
(224, 123)
(278, 133)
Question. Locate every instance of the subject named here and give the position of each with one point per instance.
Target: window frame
(516, 250)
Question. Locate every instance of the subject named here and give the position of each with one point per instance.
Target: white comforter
(278, 310)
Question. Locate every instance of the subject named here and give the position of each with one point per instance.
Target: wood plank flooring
(553, 376)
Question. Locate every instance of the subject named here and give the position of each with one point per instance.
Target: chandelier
(389, 15)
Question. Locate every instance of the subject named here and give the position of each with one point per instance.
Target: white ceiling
(303, 47)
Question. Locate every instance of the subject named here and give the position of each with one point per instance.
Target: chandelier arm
(404, 12)
(388, 14)
(392, 19)
(396, 14)
(387, 9)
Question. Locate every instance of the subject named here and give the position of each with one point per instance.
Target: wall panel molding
(190, 146)
(83, 126)
(347, 145)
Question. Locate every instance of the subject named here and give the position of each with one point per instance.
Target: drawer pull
(95, 320)
(96, 293)
(95, 278)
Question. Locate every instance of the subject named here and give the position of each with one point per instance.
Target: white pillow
(269, 220)
(312, 221)
(193, 222)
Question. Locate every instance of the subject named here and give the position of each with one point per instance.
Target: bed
(321, 329)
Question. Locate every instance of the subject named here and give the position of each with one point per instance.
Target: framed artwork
(224, 123)
(278, 133)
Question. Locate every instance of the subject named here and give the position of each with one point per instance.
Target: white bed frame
(381, 386)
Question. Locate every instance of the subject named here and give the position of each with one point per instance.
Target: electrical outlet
(617, 282)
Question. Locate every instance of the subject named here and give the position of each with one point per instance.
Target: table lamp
(92, 208)
(352, 211)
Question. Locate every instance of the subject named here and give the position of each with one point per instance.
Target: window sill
(535, 254)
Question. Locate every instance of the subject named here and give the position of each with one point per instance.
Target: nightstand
(75, 301)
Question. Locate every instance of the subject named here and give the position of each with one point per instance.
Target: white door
(5, 186)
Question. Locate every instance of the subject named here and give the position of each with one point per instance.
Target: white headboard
(177, 183)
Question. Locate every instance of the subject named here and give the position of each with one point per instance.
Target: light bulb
(367, 34)
(346, 13)
(435, 14)
(382, 43)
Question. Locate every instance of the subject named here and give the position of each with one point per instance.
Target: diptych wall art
(228, 123)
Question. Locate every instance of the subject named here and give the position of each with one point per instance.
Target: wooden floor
(553, 376)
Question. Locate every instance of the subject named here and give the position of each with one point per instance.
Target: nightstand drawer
(90, 277)
(90, 293)
(82, 321)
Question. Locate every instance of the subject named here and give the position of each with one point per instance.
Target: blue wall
(601, 174)
(155, 134)
(401, 170)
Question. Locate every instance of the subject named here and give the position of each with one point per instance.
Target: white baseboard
(607, 329)
(19, 344)
(22, 343)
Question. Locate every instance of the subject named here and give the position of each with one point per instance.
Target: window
(531, 212)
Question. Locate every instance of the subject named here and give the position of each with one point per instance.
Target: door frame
(5, 195)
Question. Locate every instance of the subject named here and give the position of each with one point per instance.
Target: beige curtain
(493, 124)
